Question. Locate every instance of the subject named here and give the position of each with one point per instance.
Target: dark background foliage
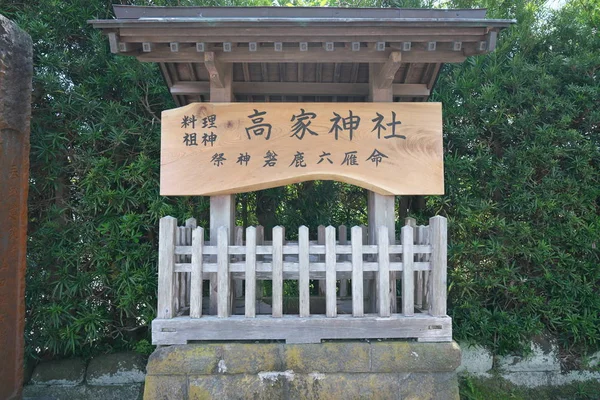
(522, 144)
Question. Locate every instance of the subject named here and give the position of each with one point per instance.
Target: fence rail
(237, 261)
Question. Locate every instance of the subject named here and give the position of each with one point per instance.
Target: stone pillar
(16, 69)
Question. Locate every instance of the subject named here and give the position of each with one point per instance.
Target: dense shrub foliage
(522, 196)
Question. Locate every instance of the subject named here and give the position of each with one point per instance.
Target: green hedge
(522, 183)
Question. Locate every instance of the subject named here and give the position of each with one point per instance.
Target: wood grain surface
(217, 148)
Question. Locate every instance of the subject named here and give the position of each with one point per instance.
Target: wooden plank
(343, 240)
(408, 277)
(166, 265)
(188, 241)
(223, 273)
(384, 272)
(330, 279)
(357, 272)
(371, 160)
(177, 275)
(427, 275)
(321, 241)
(294, 329)
(439, 254)
(238, 284)
(260, 240)
(196, 274)
(387, 71)
(113, 42)
(317, 270)
(277, 264)
(181, 288)
(250, 303)
(290, 55)
(303, 271)
(301, 88)
(418, 237)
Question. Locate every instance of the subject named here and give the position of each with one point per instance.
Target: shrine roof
(300, 53)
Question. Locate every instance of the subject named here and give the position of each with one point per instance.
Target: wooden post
(260, 240)
(408, 278)
(222, 208)
(15, 113)
(439, 253)
(250, 305)
(277, 267)
(418, 275)
(343, 240)
(196, 274)
(190, 225)
(222, 213)
(166, 267)
(238, 284)
(321, 241)
(381, 210)
(223, 282)
(330, 274)
(303, 271)
(357, 272)
(383, 272)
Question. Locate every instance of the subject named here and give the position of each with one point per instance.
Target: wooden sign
(225, 148)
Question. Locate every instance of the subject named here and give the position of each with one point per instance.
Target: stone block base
(334, 370)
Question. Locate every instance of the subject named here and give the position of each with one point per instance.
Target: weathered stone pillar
(16, 71)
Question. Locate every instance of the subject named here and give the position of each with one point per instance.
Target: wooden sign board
(226, 148)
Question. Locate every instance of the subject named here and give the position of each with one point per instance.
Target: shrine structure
(271, 96)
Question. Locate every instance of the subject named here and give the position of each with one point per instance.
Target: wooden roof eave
(174, 42)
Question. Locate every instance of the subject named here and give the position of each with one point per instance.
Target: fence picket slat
(196, 274)
(408, 275)
(180, 285)
(426, 274)
(238, 284)
(330, 275)
(260, 240)
(277, 263)
(343, 240)
(439, 250)
(250, 304)
(303, 272)
(418, 233)
(321, 241)
(190, 224)
(384, 271)
(166, 266)
(357, 272)
(222, 273)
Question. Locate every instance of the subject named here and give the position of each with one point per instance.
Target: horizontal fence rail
(242, 261)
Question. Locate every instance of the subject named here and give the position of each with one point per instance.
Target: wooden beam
(388, 70)
(113, 42)
(215, 69)
(271, 34)
(312, 55)
(300, 89)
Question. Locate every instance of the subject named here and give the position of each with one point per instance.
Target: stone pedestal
(15, 108)
(334, 370)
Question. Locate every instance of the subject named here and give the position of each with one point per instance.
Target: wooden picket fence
(417, 260)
